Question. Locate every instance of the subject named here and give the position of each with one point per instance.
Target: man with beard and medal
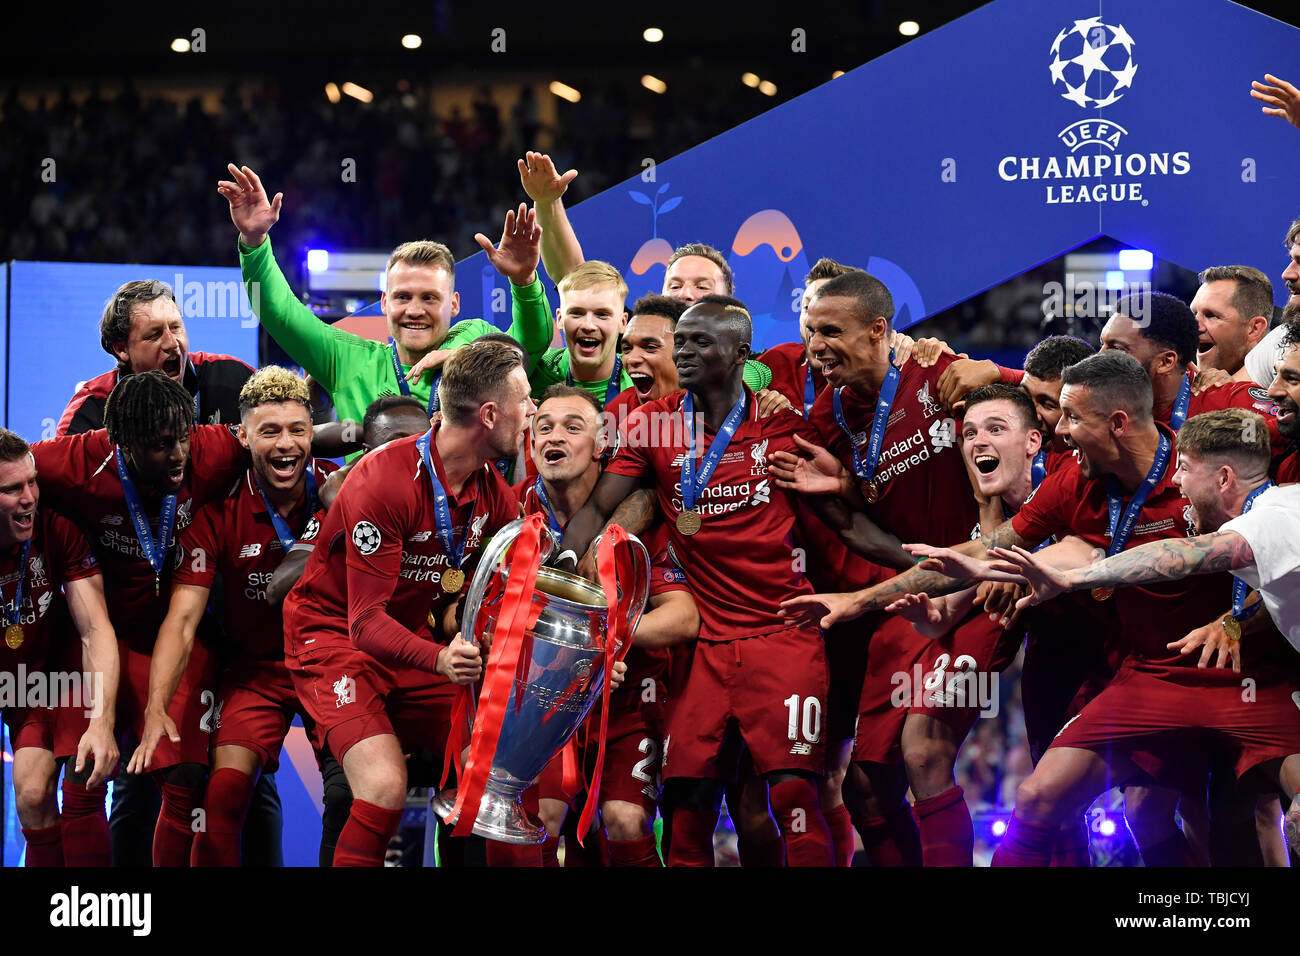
(242, 538)
(391, 554)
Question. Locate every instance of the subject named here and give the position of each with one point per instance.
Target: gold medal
(1231, 627)
(688, 522)
(1102, 594)
(871, 492)
(453, 579)
(14, 636)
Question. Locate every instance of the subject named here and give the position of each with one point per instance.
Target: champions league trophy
(552, 642)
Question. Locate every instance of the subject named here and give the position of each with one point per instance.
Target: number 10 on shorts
(811, 724)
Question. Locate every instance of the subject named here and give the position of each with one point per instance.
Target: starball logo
(1093, 66)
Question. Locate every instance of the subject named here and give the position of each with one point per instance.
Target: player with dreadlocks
(132, 488)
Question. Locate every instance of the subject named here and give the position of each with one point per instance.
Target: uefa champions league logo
(1093, 49)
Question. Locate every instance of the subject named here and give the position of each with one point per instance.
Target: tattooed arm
(634, 514)
(1168, 560)
(829, 609)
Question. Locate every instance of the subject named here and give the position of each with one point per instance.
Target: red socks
(797, 805)
(634, 852)
(508, 854)
(173, 837)
(1070, 848)
(841, 827)
(947, 834)
(891, 842)
(229, 793)
(84, 825)
(551, 852)
(692, 837)
(1025, 844)
(44, 846)
(365, 836)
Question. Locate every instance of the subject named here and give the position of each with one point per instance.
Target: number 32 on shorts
(811, 722)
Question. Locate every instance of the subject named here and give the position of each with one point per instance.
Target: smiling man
(1233, 309)
(591, 314)
(647, 351)
(242, 537)
(143, 329)
(419, 301)
(1285, 392)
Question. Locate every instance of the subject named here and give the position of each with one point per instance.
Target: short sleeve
(74, 557)
(200, 543)
(1043, 515)
(632, 459)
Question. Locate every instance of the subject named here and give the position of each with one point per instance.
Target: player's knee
(34, 796)
(929, 762)
(625, 821)
(693, 794)
(190, 776)
(1034, 801)
(384, 786)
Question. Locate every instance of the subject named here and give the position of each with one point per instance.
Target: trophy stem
(501, 815)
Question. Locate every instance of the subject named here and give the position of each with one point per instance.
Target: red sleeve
(1010, 376)
(632, 458)
(69, 550)
(307, 540)
(218, 456)
(61, 466)
(70, 412)
(1047, 511)
(377, 515)
(201, 546)
(665, 575)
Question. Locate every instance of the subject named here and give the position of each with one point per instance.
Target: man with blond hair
(592, 315)
(242, 537)
(419, 301)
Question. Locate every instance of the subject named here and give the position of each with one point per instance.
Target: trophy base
(499, 818)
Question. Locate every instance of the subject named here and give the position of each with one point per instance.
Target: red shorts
(962, 670)
(255, 706)
(772, 687)
(41, 727)
(1158, 720)
(192, 708)
(893, 653)
(347, 696)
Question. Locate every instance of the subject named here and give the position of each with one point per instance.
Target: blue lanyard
(441, 512)
(155, 552)
(1038, 471)
(282, 529)
(1239, 587)
(540, 488)
(1179, 413)
(18, 588)
(1121, 531)
(693, 483)
(809, 394)
(866, 470)
(405, 389)
(615, 381)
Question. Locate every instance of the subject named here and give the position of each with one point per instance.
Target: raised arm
(561, 253)
(99, 659)
(610, 491)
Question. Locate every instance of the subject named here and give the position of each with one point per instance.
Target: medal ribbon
(1122, 530)
(1239, 587)
(694, 483)
(282, 529)
(441, 512)
(155, 552)
(540, 488)
(1179, 413)
(809, 393)
(866, 470)
(615, 381)
(402, 385)
(18, 589)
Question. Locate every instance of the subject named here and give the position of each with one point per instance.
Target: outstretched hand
(819, 610)
(540, 179)
(954, 564)
(520, 249)
(820, 473)
(252, 215)
(1280, 98)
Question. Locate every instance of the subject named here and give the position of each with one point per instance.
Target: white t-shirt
(1272, 529)
(1261, 361)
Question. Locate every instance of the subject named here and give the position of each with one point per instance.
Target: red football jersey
(1287, 469)
(58, 553)
(740, 565)
(1152, 615)
(925, 493)
(375, 574)
(78, 476)
(1245, 395)
(235, 536)
(789, 364)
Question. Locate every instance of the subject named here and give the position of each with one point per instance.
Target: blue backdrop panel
(911, 165)
(54, 312)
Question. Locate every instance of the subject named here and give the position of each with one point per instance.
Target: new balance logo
(420, 536)
(111, 519)
(800, 748)
(250, 550)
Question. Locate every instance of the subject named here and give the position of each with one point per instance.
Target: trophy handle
(492, 555)
(636, 591)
